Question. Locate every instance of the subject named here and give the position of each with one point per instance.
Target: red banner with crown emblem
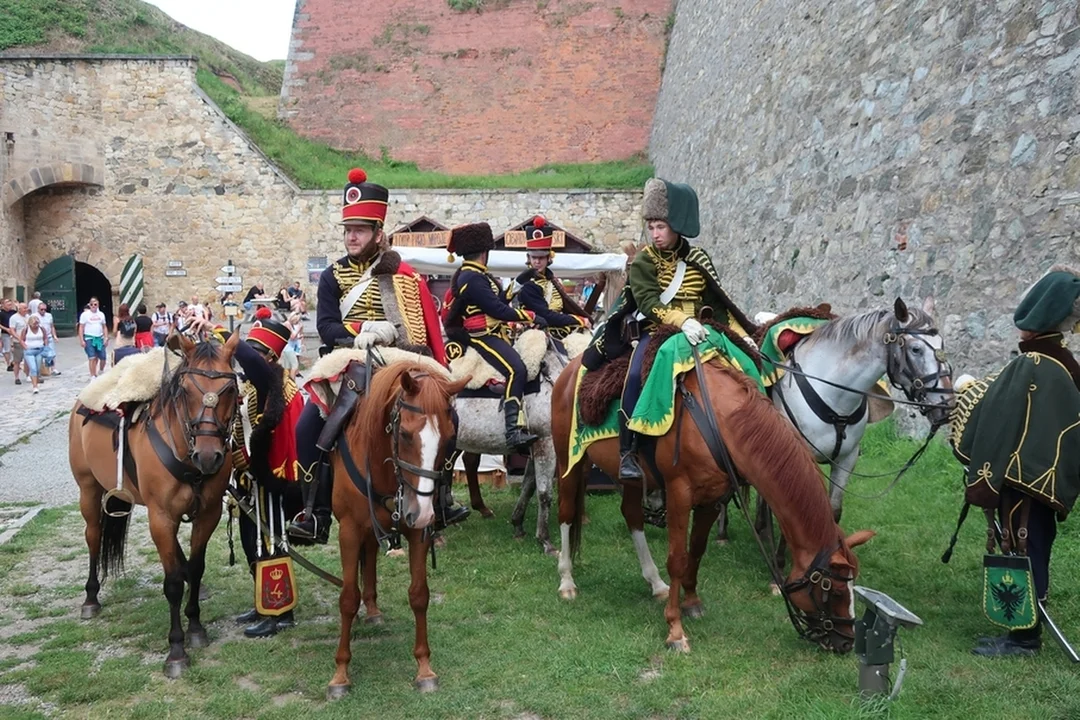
(275, 589)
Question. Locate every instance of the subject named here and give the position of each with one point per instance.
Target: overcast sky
(259, 28)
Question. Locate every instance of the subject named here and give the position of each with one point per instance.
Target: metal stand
(875, 636)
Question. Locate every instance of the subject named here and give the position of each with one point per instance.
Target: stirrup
(630, 468)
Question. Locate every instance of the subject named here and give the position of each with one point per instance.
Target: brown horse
(395, 447)
(767, 453)
(181, 465)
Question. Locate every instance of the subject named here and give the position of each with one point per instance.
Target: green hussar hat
(674, 203)
(1052, 304)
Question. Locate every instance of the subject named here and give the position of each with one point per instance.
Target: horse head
(822, 588)
(414, 408)
(204, 395)
(916, 361)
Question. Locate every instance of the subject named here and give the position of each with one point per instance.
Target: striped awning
(131, 282)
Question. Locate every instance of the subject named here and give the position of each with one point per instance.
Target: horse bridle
(904, 377)
(210, 400)
(816, 626)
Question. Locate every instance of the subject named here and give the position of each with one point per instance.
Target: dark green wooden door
(56, 283)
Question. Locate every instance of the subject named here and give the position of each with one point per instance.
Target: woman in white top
(48, 357)
(33, 338)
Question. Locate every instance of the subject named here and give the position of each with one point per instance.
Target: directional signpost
(230, 283)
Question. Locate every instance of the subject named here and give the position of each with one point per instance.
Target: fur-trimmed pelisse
(327, 374)
(654, 206)
(137, 379)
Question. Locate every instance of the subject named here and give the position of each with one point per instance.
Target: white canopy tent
(509, 263)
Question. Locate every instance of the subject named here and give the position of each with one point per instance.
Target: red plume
(357, 176)
(539, 222)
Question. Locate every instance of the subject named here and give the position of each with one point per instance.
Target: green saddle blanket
(778, 340)
(1021, 427)
(655, 409)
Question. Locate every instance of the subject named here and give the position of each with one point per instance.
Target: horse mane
(173, 389)
(757, 424)
(860, 329)
(369, 424)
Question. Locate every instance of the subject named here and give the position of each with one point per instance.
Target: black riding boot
(313, 524)
(517, 437)
(1016, 642)
(269, 626)
(446, 513)
(629, 469)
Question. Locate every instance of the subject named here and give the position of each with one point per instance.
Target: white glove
(375, 332)
(694, 331)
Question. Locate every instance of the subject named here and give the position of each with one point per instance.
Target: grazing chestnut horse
(181, 465)
(769, 454)
(394, 448)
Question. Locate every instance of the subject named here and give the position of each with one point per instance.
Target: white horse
(482, 430)
(833, 392)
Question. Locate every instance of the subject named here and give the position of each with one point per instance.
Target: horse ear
(184, 343)
(455, 387)
(928, 305)
(900, 309)
(231, 343)
(409, 384)
(859, 537)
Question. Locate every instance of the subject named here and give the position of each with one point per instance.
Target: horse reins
(817, 575)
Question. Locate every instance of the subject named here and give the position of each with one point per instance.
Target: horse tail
(579, 510)
(114, 531)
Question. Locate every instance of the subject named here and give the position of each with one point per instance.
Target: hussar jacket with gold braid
(543, 294)
(393, 292)
(653, 270)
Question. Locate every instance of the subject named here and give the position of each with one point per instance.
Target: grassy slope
(506, 646)
(240, 85)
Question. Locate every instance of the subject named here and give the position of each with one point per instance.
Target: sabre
(1043, 615)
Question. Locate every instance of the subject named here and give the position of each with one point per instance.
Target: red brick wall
(526, 83)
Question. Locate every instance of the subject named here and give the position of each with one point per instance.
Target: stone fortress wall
(111, 156)
(853, 151)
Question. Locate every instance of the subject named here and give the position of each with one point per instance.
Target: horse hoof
(721, 541)
(662, 595)
(585, 520)
(682, 645)
(176, 668)
(568, 593)
(694, 611)
(549, 550)
(89, 612)
(374, 619)
(427, 685)
(198, 639)
(397, 552)
(336, 692)
(486, 513)
(775, 589)
(519, 533)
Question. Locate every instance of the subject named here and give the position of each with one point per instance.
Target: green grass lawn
(505, 646)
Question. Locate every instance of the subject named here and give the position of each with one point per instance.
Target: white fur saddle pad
(531, 346)
(137, 379)
(328, 372)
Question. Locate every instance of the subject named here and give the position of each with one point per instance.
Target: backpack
(127, 328)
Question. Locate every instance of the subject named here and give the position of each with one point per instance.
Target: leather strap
(179, 470)
(825, 413)
(352, 388)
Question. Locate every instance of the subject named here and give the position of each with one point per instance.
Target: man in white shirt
(92, 336)
(32, 306)
(17, 324)
(162, 325)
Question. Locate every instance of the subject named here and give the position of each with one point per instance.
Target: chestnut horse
(394, 448)
(768, 453)
(185, 430)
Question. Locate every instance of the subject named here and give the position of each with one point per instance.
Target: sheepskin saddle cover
(137, 379)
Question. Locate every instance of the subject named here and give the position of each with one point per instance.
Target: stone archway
(57, 173)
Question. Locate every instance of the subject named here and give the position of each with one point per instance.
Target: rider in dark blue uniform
(479, 318)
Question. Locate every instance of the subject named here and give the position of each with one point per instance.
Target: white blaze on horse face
(429, 452)
(851, 599)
